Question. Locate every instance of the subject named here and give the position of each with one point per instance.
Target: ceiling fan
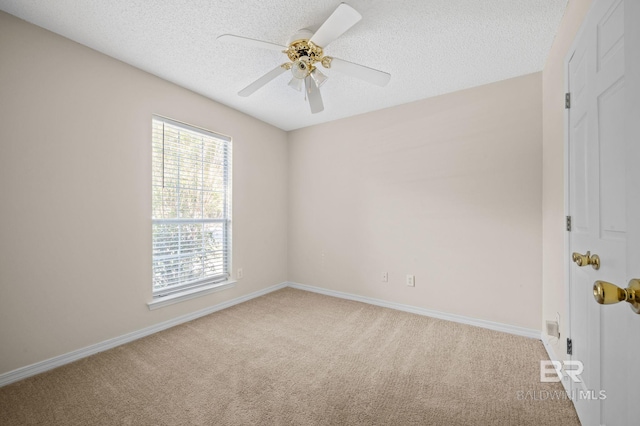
(305, 51)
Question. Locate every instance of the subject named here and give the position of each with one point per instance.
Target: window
(191, 208)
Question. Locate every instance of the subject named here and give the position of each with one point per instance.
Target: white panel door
(632, 152)
(601, 198)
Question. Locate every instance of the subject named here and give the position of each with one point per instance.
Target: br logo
(553, 371)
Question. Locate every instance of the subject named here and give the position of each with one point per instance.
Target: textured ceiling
(430, 47)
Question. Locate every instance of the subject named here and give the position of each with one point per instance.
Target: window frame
(209, 283)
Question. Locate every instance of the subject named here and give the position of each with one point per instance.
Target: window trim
(189, 290)
(162, 301)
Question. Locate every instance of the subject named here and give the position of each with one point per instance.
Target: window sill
(161, 302)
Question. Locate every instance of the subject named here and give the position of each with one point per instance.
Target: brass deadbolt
(586, 259)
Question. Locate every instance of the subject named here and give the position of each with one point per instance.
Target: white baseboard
(549, 348)
(506, 328)
(554, 357)
(51, 363)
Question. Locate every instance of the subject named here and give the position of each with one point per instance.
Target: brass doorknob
(586, 259)
(607, 294)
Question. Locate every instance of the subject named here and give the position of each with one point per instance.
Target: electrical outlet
(240, 274)
(385, 277)
(411, 280)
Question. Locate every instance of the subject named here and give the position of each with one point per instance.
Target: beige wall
(75, 174)
(448, 189)
(553, 216)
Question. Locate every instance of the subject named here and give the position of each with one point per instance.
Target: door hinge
(569, 223)
(567, 100)
(569, 347)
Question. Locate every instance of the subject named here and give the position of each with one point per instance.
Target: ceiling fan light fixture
(296, 83)
(301, 68)
(318, 77)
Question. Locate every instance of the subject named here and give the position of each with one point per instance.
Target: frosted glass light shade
(300, 69)
(296, 83)
(318, 77)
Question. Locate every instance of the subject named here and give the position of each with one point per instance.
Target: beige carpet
(298, 358)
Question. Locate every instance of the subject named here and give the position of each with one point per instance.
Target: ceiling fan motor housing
(303, 34)
(300, 48)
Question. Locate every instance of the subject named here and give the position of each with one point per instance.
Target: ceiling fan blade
(313, 94)
(262, 81)
(343, 18)
(379, 78)
(245, 41)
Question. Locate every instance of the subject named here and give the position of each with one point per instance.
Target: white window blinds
(191, 206)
